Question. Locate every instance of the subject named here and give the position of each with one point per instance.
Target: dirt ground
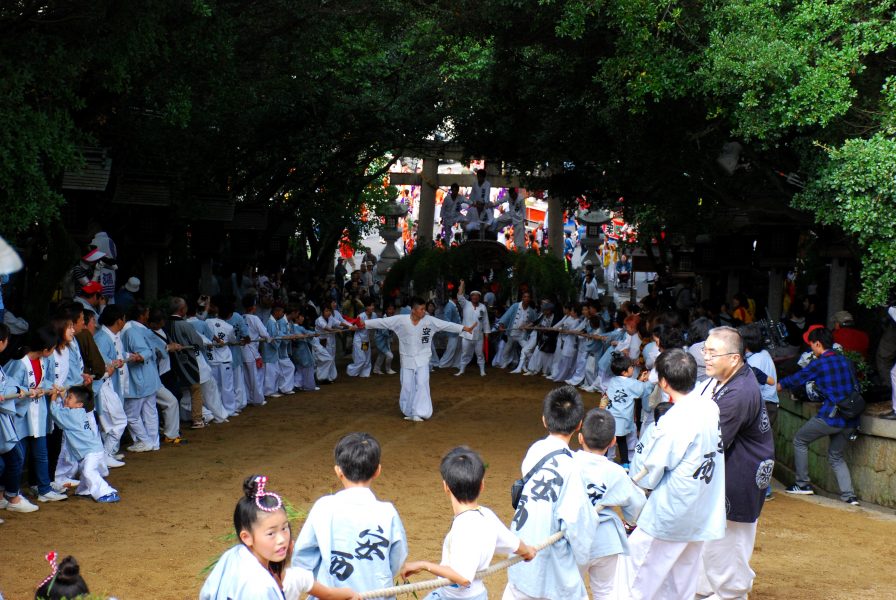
(178, 503)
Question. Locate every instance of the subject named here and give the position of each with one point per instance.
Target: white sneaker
(22, 505)
(459, 373)
(113, 462)
(391, 372)
(118, 456)
(3, 502)
(276, 395)
(139, 447)
(316, 389)
(482, 373)
(51, 496)
(377, 372)
(415, 419)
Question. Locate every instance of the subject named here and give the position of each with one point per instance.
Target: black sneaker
(852, 500)
(805, 490)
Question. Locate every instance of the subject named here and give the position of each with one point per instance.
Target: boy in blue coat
(622, 391)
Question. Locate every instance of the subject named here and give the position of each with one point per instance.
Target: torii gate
(431, 152)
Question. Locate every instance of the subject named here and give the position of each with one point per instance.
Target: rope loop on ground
(422, 586)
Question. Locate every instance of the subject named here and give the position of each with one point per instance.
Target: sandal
(198, 425)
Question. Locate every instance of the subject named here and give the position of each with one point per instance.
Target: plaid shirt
(834, 379)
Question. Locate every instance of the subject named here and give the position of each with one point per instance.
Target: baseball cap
(94, 255)
(92, 288)
(810, 330)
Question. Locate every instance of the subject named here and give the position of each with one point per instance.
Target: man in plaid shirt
(834, 379)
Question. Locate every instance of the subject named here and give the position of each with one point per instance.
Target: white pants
(602, 577)
(66, 466)
(578, 375)
(383, 361)
(112, 419)
(471, 347)
(304, 378)
(528, 349)
(223, 375)
(414, 399)
(324, 359)
(661, 570)
(451, 356)
(143, 420)
(93, 471)
(271, 377)
(254, 378)
(286, 380)
(361, 363)
(726, 572)
(565, 368)
(239, 385)
(512, 350)
(211, 399)
(541, 362)
(169, 406)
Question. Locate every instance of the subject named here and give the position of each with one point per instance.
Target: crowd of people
(108, 366)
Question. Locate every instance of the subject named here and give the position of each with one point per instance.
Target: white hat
(477, 292)
(93, 256)
(133, 285)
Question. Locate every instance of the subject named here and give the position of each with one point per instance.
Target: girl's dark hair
(246, 512)
(4, 332)
(67, 583)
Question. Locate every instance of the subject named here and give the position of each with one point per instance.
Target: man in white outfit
(415, 333)
(473, 313)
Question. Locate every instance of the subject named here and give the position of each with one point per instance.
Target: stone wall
(871, 458)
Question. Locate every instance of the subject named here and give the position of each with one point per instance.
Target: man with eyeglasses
(749, 461)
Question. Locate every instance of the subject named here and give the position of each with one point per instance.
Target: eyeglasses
(709, 356)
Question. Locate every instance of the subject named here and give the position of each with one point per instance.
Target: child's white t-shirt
(471, 543)
(297, 581)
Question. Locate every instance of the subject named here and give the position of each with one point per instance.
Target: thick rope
(432, 584)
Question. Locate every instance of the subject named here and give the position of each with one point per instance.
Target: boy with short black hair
(79, 429)
(351, 539)
(622, 391)
(476, 532)
(553, 499)
(607, 485)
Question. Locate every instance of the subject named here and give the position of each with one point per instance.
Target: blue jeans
(39, 469)
(11, 463)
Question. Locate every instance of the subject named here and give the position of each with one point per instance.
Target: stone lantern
(391, 232)
(593, 220)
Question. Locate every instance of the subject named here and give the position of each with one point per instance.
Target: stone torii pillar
(555, 226)
(427, 209)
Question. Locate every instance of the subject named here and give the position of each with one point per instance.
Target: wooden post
(427, 211)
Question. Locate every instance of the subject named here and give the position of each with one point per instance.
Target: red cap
(810, 330)
(92, 288)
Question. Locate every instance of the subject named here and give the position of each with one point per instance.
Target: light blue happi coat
(608, 485)
(239, 576)
(686, 471)
(554, 499)
(79, 429)
(351, 539)
(8, 435)
(622, 393)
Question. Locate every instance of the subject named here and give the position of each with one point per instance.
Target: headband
(260, 493)
(51, 558)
